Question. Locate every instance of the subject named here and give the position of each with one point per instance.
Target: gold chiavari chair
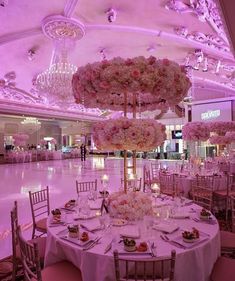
(224, 195)
(40, 208)
(86, 186)
(227, 237)
(168, 183)
(16, 257)
(155, 169)
(202, 191)
(62, 271)
(145, 269)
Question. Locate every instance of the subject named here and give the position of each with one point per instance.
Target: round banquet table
(194, 264)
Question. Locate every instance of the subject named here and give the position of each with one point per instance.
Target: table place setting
(187, 239)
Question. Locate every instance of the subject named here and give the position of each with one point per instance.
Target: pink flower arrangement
(128, 134)
(53, 141)
(221, 127)
(130, 205)
(196, 131)
(219, 140)
(43, 142)
(157, 83)
(230, 136)
(20, 139)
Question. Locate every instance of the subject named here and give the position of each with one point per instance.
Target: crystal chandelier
(31, 125)
(55, 83)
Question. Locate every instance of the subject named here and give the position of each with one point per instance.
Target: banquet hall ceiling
(189, 32)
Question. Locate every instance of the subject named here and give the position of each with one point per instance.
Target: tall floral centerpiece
(125, 84)
(194, 132)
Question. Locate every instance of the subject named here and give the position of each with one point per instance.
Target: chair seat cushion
(41, 241)
(224, 270)
(227, 239)
(5, 268)
(222, 193)
(41, 225)
(61, 271)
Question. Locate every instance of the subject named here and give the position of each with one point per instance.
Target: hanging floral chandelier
(129, 134)
(157, 83)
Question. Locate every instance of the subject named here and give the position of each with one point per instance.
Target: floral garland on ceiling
(128, 134)
(196, 131)
(157, 83)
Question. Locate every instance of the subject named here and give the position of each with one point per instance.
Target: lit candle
(131, 177)
(105, 178)
(156, 188)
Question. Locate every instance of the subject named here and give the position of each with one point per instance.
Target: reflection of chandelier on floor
(55, 82)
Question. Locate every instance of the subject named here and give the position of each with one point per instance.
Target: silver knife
(108, 247)
(92, 244)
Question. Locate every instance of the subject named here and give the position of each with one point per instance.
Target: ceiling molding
(227, 14)
(7, 38)
(159, 33)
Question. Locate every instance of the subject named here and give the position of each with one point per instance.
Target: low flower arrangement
(221, 127)
(130, 205)
(230, 136)
(157, 83)
(20, 139)
(196, 131)
(219, 140)
(128, 134)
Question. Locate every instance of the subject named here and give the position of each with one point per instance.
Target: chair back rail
(30, 258)
(145, 269)
(40, 205)
(86, 186)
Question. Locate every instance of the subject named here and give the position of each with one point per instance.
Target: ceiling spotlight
(3, 3)
(217, 68)
(102, 53)
(31, 54)
(205, 67)
(112, 15)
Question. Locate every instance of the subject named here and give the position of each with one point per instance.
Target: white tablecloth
(192, 264)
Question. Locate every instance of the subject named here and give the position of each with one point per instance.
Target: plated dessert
(191, 236)
(70, 204)
(131, 246)
(84, 237)
(205, 214)
(56, 215)
(73, 231)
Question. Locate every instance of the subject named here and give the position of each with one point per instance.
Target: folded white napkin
(95, 205)
(131, 231)
(180, 215)
(165, 227)
(91, 226)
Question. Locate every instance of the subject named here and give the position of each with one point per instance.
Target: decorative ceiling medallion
(209, 40)
(205, 10)
(59, 27)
